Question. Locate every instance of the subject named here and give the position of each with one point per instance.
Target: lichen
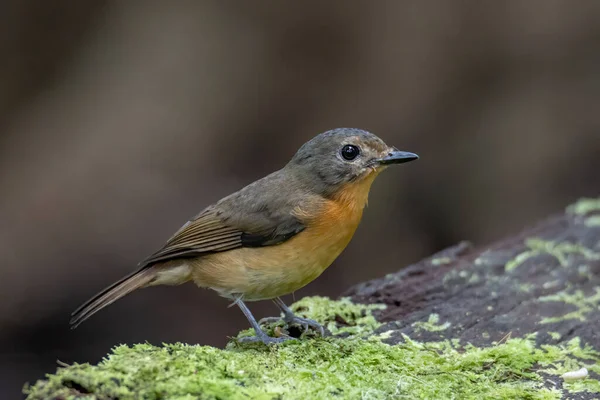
(325, 368)
(432, 324)
(583, 304)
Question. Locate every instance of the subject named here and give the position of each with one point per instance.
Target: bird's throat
(355, 195)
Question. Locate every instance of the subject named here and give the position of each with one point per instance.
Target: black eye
(350, 152)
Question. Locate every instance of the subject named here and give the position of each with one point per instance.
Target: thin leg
(290, 318)
(260, 335)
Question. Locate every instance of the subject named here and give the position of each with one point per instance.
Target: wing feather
(214, 231)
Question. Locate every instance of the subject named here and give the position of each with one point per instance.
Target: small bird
(275, 235)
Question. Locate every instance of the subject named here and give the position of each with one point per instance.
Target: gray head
(344, 155)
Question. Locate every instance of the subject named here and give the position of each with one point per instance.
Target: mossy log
(500, 322)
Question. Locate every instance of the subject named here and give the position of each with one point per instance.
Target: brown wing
(212, 231)
(263, 213)
(206, 233)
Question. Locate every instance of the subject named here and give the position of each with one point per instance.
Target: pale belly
(271, 271)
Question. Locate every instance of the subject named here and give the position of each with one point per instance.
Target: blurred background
(120, 120)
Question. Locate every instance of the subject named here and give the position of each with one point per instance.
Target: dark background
(120, 120)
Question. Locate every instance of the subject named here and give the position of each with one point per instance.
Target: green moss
(551, 284)
(584, 385)
(561, 251)
(325, 368)
(441, 261)
(468, 277)
(554, 335)
(592, 221)
(432, 324)
(520, 259)
(584, 206)
(320, 369)
(474, 279)
(525, 287)
(584, 271)
(583, 304)
(574, 356)
(341, 316)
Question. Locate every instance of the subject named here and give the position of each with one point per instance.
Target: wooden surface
(544, 280)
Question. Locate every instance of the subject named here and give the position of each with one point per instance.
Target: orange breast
(271, 271)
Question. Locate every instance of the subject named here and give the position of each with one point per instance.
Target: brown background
(120, 120)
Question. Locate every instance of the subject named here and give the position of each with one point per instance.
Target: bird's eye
(350, 152)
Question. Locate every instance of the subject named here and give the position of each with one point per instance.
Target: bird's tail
(136, 280)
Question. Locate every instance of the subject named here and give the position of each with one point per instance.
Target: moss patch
(323, 369)
(584, 206)
(441, 261)
(574, 356)
(554, 335)
(327, 368)
(583, 304)
(341, 316)
(432, 324)
(592, 221)
(561, 251)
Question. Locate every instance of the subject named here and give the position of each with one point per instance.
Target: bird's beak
(397, 157)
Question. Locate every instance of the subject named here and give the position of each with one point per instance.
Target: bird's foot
(294, 320)
(305, 323)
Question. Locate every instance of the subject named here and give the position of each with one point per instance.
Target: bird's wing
(203, 234)
(224, 227)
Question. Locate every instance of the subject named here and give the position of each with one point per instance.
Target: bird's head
(341, 156)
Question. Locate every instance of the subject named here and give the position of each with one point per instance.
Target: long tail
(112, 293)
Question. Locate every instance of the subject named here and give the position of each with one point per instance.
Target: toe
(305, 323)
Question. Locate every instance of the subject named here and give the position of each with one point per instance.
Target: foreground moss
(325, 368)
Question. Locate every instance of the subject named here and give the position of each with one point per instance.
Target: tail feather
(111, 294)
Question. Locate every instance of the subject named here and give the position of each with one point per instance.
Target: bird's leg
(260, 335)
(290, 318)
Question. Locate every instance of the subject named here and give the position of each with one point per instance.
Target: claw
(305, 323)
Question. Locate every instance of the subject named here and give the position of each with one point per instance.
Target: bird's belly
(266, 272)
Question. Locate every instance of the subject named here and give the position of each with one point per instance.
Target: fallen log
(517, 319)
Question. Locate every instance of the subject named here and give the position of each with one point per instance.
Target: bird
(273, 236)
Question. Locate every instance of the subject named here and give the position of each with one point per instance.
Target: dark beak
(398, 157)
